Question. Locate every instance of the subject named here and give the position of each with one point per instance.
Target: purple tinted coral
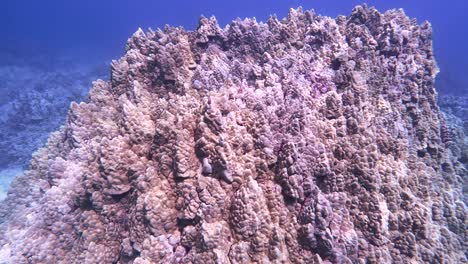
(305, 140)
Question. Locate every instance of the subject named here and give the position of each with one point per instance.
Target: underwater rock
(305, 140)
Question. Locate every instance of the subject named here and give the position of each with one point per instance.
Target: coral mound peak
(305, 140)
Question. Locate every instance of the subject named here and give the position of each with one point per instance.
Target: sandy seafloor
(6, 176)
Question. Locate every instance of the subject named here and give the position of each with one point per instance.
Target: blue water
(99, 29)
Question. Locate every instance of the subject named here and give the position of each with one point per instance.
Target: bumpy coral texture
(305, 140)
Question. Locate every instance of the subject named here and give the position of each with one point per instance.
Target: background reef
(305, 140)
(35, 94)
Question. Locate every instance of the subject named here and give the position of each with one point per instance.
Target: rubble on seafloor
(302, 140)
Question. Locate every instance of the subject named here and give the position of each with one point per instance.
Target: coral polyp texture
(302, 140)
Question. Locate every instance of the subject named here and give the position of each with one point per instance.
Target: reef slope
(305, 140)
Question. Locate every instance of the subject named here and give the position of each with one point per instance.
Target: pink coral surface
(305, 140)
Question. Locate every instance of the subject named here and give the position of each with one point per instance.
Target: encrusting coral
(305, 140)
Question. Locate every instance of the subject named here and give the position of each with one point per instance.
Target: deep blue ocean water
(93, 29)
